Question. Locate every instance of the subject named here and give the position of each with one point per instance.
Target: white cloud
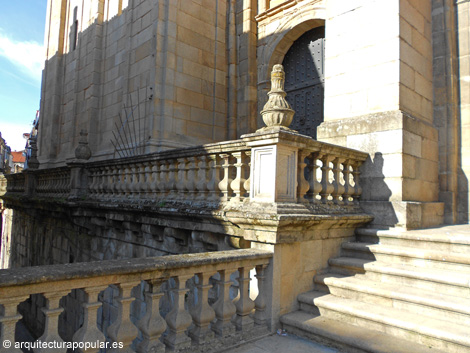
(27, 56)
(13, 134)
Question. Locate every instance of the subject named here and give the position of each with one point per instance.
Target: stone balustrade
(16, 183)
(54, 182)
(3, 184)
(273, 166)
(193, 323)
(216, 172)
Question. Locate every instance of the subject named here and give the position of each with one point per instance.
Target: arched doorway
(304, 67)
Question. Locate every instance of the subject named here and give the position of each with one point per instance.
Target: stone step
(410, 256)
(455, 239)
(455, 284)
(346, 337)
(444, 335)
(419, 301)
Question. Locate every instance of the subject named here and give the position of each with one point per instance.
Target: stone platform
(281, 344)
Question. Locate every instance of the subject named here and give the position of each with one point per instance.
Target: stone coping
(274, 135)
(165, 264)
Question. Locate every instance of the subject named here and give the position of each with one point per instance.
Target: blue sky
(21, 60)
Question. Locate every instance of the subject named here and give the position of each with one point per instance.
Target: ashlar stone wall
(451, 33)
(378, 98)
(138, 75)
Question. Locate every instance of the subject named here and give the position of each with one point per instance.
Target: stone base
(404, 214)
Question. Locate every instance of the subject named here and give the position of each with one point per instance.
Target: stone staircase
(392, 291)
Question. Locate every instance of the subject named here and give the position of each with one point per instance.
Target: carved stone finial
(277, 111)
(33, 162)
(83, 150)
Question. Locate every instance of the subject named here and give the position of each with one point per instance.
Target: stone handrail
(314, 172)
(191, 321)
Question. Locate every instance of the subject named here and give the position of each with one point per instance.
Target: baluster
(8, 320)
(91, 184)
(327, 187)
(68, 182)
(172, 181)
(203, 313)
(90, 332)
(59, 186)
(127, 181)
(214, 174)
(303, 184)
(237, 183)
(154, 178)
(123, 330)
(54, 182)
(38, 188)
(260, 301)
(191, 178)
(181, 183)
(164, 185)
(147, 179)
(119, 181)
(315, 185)
(140, 181)
(348, 189)
(203, 180)
(244, 305)
(152, 324)
(224, 184)
(45, 183)
(48, 183)
(112, 182)
(63, 182)
(357, 187)
(338, 188)
(99, 178)
(224, 307)
(134, 185)
(178, 319)
(51, 328)
(103, 185)
(246, 184)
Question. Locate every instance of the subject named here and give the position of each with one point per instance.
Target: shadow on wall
(376, 194)
(462, 183)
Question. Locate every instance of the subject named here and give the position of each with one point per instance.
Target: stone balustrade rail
(54, 182)
(15, 183)
(215, 172)
(192, 322)
(219, 172)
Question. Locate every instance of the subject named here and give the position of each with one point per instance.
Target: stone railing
(16, 183)
(193, 323)
(287, 167)
(54, 182)
(215, 172)
(3, 184)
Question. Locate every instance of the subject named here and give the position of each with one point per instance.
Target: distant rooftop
(18, 157)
